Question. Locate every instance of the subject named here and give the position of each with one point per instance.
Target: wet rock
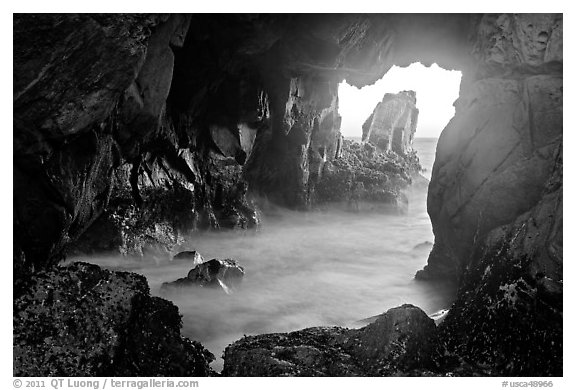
(216, 273)
(403, 341)
(189, 256)
(364, 177)
(308, 352)
(81, 320)
(403, 338)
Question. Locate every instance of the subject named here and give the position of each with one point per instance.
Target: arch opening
(436, 90)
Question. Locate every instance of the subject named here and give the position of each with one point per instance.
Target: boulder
(402, 341)
(81, 320)
(216, 273)
(403, 338)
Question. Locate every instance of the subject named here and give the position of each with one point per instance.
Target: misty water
(306, 269)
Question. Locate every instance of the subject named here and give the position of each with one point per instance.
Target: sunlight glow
(436, 90)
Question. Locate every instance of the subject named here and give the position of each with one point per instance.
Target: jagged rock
(378, 170)
(189, 256)
(366, 178)
(403, 341)
(392, 124)
(81, 320)
(215, 273)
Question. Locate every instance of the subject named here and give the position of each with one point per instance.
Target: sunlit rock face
(495, 199)
(495, 156)
(509, 310)
(392, 124)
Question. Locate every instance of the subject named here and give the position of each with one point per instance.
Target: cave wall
(495, 156)
(70, 70)
(115, 115)
(495, 199)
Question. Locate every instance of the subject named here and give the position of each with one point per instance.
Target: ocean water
(426, 149)
(305, 269)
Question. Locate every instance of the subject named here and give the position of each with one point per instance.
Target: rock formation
(81, 320)
(217, 273)
(363, 177)
(392, 124)
(401, 342)
(495, 199)
(375, 173)
(130, 130)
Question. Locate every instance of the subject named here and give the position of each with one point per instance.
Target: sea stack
(392, 124)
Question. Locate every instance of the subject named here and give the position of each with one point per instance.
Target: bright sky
(436, 90)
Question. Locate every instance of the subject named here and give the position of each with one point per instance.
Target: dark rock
(215, 273)
(404, 338)
(81, 320)
(308, 352)
(366, 178)
(189, 256)
(403, 341)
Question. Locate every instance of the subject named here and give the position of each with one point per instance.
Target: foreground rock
(81, 320)
(403, 341)
(216, 273)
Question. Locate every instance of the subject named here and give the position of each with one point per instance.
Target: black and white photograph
(286, 194)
